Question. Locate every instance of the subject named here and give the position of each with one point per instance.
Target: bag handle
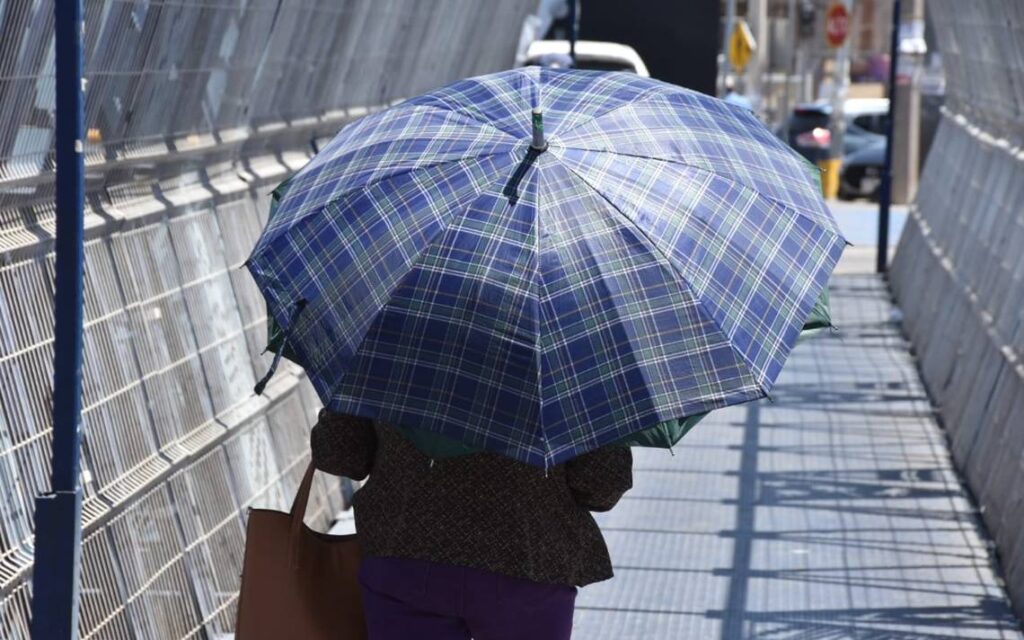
(298, 513)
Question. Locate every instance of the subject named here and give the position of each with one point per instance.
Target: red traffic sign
(837, 24)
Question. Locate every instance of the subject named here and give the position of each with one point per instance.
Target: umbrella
(663, 435)
(539, 262)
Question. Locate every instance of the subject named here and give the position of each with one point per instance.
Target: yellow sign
(741, 45)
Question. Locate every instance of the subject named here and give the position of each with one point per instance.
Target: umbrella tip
(538, 143)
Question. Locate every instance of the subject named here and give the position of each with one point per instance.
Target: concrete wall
(195, 111)
(959, 270)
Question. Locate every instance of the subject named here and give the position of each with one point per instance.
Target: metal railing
(959, 269)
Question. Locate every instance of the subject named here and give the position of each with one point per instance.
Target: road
(859, 223)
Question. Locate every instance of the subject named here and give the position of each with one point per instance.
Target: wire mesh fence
(959, 268)
(195, 109)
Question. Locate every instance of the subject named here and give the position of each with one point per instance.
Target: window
(873, 122)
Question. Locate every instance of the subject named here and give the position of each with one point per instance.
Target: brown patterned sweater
(479, 510)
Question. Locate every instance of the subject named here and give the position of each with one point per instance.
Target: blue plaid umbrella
(540, 261)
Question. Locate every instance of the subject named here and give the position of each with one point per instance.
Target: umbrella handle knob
(538, 143)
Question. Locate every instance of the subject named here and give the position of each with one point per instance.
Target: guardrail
(959, 268)
(175, 446)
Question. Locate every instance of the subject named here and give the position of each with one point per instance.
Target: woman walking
(543, 263)
(474, 546)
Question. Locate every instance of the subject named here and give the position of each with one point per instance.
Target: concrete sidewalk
(832, 512)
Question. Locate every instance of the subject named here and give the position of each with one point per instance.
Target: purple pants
(407, 599)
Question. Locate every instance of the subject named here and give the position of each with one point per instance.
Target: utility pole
(807, 32)
(757, 17)
(58, 533)
(841, 70)
(793, 34)
(907, 132)
(730, 24)
(885, 192)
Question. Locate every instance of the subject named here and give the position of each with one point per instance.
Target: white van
(603, 56)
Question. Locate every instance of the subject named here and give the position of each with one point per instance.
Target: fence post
(885, 192)
(59, 513)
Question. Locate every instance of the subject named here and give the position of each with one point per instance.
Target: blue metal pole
(885, 189)
(59, 513)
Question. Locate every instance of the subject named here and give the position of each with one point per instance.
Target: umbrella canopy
(663, 435)
(540, 261)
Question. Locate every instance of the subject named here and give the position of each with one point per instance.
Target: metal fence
(194, 110)
(959, 268)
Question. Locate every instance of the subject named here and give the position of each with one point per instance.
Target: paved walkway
(831, 513)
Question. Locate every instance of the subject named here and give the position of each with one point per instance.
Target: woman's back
(479, 510)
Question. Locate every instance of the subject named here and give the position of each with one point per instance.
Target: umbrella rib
(471, 118)
(450, 107)
(672, 264)
(290, 224)
(412, 265)
(381, 119)
(758, 194)
(643, 95)
(537, 286)
(615, 311)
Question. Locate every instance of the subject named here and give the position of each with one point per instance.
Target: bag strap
(298, 513)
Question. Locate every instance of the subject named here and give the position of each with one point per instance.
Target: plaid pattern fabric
(657, 261)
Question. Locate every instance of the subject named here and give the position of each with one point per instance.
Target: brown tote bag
(296, 582)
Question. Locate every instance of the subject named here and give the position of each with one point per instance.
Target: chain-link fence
(194, 110)
(959, 269)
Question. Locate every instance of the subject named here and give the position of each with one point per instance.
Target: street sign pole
(837, 34)
(885, 189)
(59, 513)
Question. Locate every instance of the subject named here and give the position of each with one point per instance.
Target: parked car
(856, 139)
(863, 147)
(864, 117)
(861, 175)
(867, 114)
(590, 54)
(865, 123)
(808, 130)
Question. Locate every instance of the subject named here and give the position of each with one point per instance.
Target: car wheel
(850, 184)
